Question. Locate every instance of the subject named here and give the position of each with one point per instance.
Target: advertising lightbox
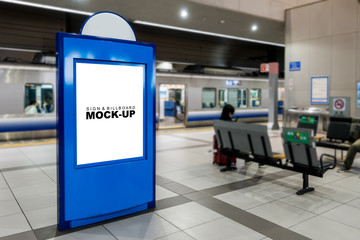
(106, 124)
(114, 114)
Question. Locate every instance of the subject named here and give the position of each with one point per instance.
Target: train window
(238, 97)
(242, 98)
(38, 98)
(255, 97)
(222, 97)
(232, 96)
(175, 94)
(208, 97)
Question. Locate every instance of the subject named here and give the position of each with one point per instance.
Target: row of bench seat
(251, 142)
(337, 136)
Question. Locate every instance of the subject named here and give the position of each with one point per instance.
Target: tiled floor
(194, 199)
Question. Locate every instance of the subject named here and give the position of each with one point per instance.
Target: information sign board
(295, 66)
(297, 137)
(339, 107)
(264, 67)
(308, 119)
(319, 90)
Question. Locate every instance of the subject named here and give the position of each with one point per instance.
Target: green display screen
(297, 137)
(308, 119)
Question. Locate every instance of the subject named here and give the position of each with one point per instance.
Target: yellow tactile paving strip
(28, 144)
(52, 141)
(185, 130)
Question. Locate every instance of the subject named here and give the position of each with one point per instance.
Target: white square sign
(109, 112)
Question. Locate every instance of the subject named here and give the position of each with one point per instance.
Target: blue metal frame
(316, 100)
(102, 191)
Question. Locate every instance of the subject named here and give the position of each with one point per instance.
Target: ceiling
(272, 9)
(201, 17)
(34, 27)
(226, 17)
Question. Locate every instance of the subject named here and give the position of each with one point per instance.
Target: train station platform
(194, 199)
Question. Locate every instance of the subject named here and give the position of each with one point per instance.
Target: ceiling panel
(272, 9)
(201, 17)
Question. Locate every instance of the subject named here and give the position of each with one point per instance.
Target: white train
(183, 99)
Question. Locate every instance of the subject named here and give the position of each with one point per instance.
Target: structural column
(273, 95)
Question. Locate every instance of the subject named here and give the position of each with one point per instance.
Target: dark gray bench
(337, 135)
(309, 122)
(300, 150)
(246, 141)
(251, 142)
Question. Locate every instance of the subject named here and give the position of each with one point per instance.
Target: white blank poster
(109, 112)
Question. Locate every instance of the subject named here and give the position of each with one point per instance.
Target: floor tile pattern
(194, 199)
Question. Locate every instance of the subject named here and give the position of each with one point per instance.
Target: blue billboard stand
(106, 127)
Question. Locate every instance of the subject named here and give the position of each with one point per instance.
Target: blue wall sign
(295, 66)
(358, 94)
(106, 128)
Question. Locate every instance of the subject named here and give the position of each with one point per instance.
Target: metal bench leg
(228, 165)
(342, 155)
(306, 187)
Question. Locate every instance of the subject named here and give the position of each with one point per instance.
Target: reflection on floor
(194, 199)
(171, 122)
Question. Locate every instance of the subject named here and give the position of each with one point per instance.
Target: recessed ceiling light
(222, 21)
(184, 13)
(254, 27)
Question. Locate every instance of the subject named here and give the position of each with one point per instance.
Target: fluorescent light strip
(19, 49)
(38, 5)
(187, 75)
(183, 63)
(207, 33)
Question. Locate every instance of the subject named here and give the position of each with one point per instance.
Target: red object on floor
(218, 157)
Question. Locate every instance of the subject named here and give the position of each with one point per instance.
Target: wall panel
(320, 19)
(344, 16)
(299, 20)
(320, 57)
(343, 61)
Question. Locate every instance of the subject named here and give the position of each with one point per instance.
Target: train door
(242, 98)
(171, 106)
